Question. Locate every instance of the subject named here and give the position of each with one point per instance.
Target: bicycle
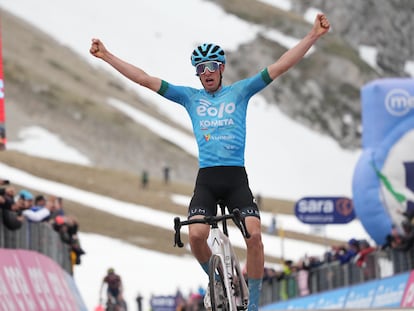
(112, 304)
(224, 266)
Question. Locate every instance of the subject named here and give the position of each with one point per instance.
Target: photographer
(11, 210)
(3, 182)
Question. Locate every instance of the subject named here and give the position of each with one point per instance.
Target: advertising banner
(32, 281)
(325, 210)
(392, 292)
(408, 296)
(361, 296)
(335, 300)
(163, 303)
(2, 110)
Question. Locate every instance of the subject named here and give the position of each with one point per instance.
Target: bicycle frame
(221, 247)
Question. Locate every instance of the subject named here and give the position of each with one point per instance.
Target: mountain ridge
(49, 85)
(81, 115)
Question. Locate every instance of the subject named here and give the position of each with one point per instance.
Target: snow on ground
(283, 158)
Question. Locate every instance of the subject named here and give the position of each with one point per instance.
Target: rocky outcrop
(387, 25)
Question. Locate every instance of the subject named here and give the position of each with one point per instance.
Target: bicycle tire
(121, 306)
(240, 290)
(216, 274)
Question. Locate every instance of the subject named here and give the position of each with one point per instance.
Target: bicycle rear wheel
(218, 296)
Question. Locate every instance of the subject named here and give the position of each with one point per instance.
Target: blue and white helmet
(207, 52)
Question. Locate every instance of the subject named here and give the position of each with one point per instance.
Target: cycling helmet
(111, 270)
(207, 52)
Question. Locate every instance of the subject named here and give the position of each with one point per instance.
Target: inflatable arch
(383, 181)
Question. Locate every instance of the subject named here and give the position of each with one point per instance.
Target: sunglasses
(211, 66)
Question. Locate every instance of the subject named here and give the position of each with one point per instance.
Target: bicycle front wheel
(217, 288)
(239, 285)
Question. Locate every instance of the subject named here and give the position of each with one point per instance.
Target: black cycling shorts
(228, 184)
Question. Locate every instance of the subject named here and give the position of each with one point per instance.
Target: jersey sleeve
(254, 84)
(179, 94)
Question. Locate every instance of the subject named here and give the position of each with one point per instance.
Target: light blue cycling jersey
(219, 119)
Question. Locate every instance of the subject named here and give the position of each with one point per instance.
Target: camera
(3, 182)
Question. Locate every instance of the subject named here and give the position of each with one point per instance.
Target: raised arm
(295, 54)
(130, 71)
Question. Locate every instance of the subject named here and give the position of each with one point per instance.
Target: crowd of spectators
(22, 206)
(355, 252)
(402, 239)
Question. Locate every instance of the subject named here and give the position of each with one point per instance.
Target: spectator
(27, 197)
(393, 240)
(409, 213)
(407, 240)
(144, 179)
(76, 251)
(194, 302)
(313, 262)
(364, 250)
(60, 226)
(67, 227)
(37, 212)
(363, 261)
(54, 205)
(272, 229)
(349, 252)
(180, 301)
(139, 301)
(11, 210)
(302, 278)
(166, 175)
(4, 182)
(40, 201)
(332, 254)
(269, 274)
(58, 207)
(7, 197)
(287, 271)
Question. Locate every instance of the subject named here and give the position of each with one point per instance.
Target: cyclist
(113, 289)
(218, 115)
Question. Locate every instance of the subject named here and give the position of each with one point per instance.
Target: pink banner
(408, 297)
(32, 281)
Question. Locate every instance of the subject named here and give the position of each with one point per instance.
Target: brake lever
(177, 235)
(240, 223)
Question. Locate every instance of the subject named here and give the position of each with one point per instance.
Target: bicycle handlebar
(236, 216)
